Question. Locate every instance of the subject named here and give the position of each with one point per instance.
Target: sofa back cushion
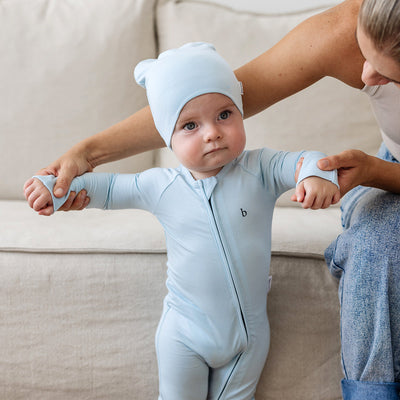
(328, 116)
(67, 73)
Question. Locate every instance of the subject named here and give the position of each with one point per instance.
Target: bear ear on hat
(141, 71)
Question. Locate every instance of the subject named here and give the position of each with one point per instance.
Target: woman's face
(379, 68)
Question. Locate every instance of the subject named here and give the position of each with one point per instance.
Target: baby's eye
(189, 126)
(225, 114)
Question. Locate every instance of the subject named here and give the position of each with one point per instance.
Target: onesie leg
(183, 375)
(238, 379)
(366, 258)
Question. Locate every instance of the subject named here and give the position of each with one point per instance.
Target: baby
(216, 209)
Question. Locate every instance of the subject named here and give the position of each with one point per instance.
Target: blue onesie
(213, 337)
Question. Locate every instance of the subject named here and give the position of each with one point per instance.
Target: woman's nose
(371, 77)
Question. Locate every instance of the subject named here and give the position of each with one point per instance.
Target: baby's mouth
(215, 150)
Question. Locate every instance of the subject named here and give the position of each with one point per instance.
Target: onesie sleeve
(106, 190)
(279, 167)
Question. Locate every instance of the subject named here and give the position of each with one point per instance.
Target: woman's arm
(134, 135)
(323, 45)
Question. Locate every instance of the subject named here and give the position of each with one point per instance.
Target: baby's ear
(141, 71)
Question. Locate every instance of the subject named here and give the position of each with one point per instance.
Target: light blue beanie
(179, 75)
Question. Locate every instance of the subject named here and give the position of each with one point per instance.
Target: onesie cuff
(310, 168)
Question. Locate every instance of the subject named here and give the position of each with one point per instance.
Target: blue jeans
(366, 259)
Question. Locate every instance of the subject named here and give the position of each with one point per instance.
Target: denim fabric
(366, 259)
(353, 390)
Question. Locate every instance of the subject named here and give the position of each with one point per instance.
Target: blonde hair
(380, 20)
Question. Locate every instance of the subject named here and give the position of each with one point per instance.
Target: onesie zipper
(223, 251)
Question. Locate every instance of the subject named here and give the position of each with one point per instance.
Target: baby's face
(209, 134)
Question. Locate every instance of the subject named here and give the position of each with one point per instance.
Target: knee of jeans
(336, 270)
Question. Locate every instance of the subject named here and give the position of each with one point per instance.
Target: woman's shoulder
(340, 57)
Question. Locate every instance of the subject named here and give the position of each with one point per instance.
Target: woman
(358, 43)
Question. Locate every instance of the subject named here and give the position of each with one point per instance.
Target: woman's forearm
(135, 134)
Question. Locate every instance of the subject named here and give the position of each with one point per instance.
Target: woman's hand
(354, 168)
(67, 167)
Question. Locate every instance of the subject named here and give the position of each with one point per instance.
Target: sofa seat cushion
(304, 233)
(93, 231)
(295, 231)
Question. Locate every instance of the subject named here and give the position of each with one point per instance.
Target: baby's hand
(315, 193)
(38, 197)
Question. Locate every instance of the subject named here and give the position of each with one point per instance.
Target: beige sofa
(81, 292)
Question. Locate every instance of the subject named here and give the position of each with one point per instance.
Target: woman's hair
(380, 20)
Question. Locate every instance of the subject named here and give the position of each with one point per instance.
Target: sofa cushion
(328, 116)
(295, 232)
(67, 73)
